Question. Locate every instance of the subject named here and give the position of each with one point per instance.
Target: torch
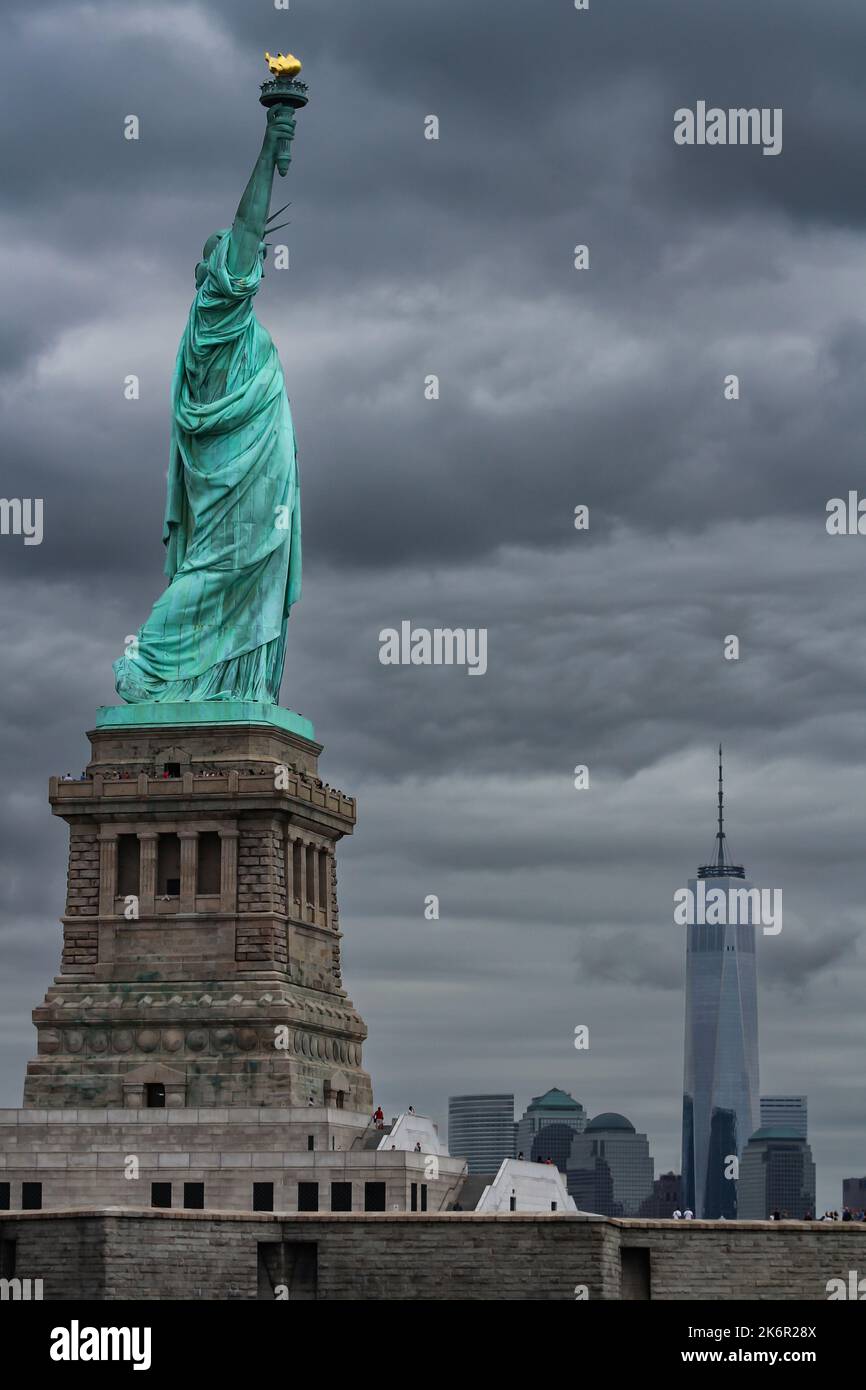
(284, 90)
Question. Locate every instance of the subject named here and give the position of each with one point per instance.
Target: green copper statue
(233, 514)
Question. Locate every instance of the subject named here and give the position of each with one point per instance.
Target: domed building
(610, 1168)
(548, 1126)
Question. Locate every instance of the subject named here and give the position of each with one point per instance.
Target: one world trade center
(721, 1105)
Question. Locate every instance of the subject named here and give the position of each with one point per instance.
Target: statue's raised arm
(248, 228)
(233, 514)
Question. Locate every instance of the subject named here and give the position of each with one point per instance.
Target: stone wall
(746, 1259)
(261, 866)
(80, 948)
(459, 1256)
(234, 987)
(84, 1158)
(82, 885)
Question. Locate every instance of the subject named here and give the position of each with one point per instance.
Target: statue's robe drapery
(233, 516)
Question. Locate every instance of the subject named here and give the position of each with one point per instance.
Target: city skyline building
(665, 1198)
(721, 1073)
(610, 1171)
(482, 1129)
(790, 1111)
(548, 1125)
(854, 1193)
(777, 1174)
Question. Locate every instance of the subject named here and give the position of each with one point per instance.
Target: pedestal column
(228, 870)
(311, 857)
(188, 869)
(329, 875)
(302, 887)
(148, 846)
(290, 873)
(107, 872)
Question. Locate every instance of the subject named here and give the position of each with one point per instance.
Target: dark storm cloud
(603, 387)
(453, 257)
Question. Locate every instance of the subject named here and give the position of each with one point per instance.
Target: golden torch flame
(284, 64)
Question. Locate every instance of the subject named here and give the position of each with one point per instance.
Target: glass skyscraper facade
(789, 1111)
(721, 1088)
(777, 1174)
(481, 1130)
(610, 1170)
(854, 1193)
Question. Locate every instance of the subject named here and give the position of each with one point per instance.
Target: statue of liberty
(232, 527)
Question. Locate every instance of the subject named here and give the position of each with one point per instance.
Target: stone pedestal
(201, 938)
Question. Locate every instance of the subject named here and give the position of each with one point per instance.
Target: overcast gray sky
(558, 387)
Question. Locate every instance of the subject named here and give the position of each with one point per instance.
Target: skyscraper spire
(720, 834)
(721, 867)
